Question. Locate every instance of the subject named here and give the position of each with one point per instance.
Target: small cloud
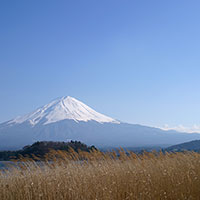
(180, 128)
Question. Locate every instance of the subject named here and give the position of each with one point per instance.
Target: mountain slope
(186, 146)
(67, 119)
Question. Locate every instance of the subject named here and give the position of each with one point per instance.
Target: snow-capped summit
(61, 109)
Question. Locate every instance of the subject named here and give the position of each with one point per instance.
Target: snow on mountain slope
(61, 109)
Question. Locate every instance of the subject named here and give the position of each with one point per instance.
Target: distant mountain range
(66, 119)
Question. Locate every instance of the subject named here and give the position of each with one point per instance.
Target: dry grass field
(105, 176)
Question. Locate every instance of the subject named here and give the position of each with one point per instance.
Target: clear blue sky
(134, 60)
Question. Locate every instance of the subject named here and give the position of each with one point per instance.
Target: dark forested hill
(39, 149)
(187, 146)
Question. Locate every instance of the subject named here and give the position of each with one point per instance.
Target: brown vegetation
(104, 176)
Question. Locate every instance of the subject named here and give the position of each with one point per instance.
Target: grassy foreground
(105, 177)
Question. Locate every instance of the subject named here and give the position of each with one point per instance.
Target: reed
(104, 176)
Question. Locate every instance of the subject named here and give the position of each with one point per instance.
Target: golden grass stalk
(104, 176)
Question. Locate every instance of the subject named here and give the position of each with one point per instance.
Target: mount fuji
(67, 118)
